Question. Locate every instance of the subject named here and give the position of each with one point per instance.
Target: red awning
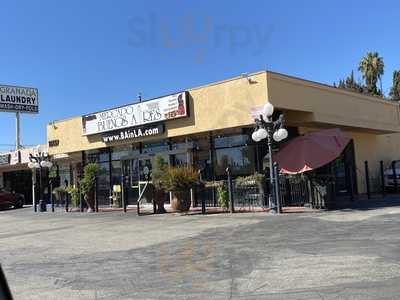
(311, 151)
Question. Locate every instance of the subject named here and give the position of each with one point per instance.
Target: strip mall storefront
(15, 176)
(210, 128)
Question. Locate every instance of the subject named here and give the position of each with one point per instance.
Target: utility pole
(17, 132)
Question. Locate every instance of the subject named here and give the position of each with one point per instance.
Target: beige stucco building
(218, 116)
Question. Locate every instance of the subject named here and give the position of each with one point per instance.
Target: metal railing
(246, 195)
(302, 190)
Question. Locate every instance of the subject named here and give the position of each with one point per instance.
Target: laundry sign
(147, 112)
(19, 99)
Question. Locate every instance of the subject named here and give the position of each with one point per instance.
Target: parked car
(389, 176)
(11, 199)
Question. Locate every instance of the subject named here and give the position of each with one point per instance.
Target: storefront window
(99, 155)
(202, 157)
(178, 143)
(64, 172)
(155, 147)
(118, 152)
(103, 183)
(179, 159)
(241, 160)
(116, 173)
(231, 141)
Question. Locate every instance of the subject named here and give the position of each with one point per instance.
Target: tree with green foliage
(395, 89)
(157, 174)
(350, 84)
(371, 67)
(223, 197)
(87, 184)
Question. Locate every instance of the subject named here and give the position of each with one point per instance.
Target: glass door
(130, 171)
(137, 173)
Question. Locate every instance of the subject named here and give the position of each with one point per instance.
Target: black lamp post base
(42, 206)
(273, 211)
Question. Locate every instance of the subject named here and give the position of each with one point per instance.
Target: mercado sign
(19, 99)
(147, 112)
(133, 133)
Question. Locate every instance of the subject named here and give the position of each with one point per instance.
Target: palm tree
(395, 89)
(371, 66)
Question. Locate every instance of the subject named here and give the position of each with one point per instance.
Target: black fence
(303, 190)
(246, 195)
(295, 190)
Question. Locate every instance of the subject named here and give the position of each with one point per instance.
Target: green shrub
(59, 190)
(60, 193)
(180, 178)
(74, 193)
(158, 171)
(223, 199)
(52, 174)
(89, 175)
(258, 178)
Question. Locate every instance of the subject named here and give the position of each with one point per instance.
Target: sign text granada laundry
(147, 112)
(19, 99)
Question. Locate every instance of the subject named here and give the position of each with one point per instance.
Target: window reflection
(241, 160)
(179, 159)
(231, 141)
(155, 147)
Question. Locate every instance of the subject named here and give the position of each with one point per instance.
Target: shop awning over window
(311, 151)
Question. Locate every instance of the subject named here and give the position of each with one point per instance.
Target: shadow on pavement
(376, 201)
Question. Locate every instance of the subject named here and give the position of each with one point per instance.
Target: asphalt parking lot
(350, 254)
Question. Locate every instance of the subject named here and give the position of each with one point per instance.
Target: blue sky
(85, 56)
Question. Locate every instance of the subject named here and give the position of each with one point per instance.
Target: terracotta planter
(181, 201)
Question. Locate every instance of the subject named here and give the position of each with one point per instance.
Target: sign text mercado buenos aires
(147, 112)
(19, 99)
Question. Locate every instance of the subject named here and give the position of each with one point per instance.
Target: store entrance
(137, 172)
(134, 171)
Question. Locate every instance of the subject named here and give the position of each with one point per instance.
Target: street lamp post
(266, 128)
(38, 160)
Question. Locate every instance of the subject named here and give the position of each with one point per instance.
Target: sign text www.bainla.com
(138, 114)
(133, 133)
(19, 99)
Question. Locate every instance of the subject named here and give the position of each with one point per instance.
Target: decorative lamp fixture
(266, 128)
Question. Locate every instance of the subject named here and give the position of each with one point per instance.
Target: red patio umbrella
(311, 151)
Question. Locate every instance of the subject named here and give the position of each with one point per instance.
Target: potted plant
(157, 180)
(74, 193)
(60, 193)
(223, 199)
(179, 181)
(88, 184)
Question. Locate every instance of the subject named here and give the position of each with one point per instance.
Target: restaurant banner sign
(15, 158)
(138, 114)
(19, 99)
